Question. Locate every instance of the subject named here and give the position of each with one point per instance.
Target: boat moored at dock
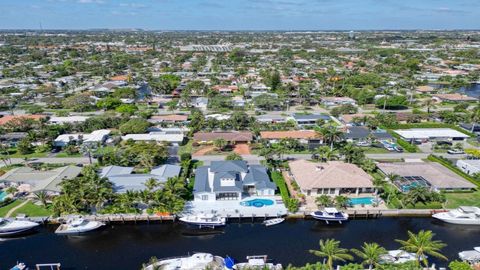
(398, 256)
(204, 220)
(9, 227)
(273, 221)
(465, 215)
(196, 261)
(78, 226)
(259, 262)
(470, 256)
(330, 214)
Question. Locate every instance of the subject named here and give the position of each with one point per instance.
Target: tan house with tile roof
(331, 178)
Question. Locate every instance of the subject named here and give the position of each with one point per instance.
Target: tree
(109, 103)
(422, 244)
(233, 156)
(127, 109)
(274, 80)
(42, 196)
(330, 135)
(80, 102)
(134, 126)
(394, 102)
(220, 143)
(331, 250)
(429, 104)
(323, 200)
(151, 184)
(370, 253)
(25, 146)
(325, 153)
(341, 201)
(474, 117)
(457, 265)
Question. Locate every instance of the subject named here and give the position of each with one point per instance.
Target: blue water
(3, 194)
(363, 200)
(257, 202)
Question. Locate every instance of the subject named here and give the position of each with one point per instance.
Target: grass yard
(458, 199)
(66, 155)
(32, 210)
(375, 150)
(4, 210)
(187, 148)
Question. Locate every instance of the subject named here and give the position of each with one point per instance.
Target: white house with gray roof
(124, 179)
(231, 180)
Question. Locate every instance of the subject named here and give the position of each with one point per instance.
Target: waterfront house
(124, 179)
(231, 180)
(308, 119)
(231, 137)
(431, 175)
(331, 178)
(455, 97)
(175, 138)
(28, 179)
(309, 137)
(91, 140)
(469, 166)
(431, 134)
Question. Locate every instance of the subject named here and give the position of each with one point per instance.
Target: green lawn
(4, 210)
(33, 210)
(458, 199)
(187, 148)
(375, 150)
(63, 155)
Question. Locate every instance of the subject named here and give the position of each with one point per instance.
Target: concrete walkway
(9, 213)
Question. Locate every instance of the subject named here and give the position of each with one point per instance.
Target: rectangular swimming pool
(362, 200)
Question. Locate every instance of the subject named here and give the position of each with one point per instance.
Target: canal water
(472, 90)
(128, 246)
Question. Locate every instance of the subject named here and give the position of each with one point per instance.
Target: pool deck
(233, 209)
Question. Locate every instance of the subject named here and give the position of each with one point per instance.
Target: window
(204, 197)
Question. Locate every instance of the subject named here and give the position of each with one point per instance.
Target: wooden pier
(123, 218)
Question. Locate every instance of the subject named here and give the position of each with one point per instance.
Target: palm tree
(151, 184)
(325, 153)
(42, 196)
(331, 250)
(323, 200)
(220, 143)
(474, 117)
(429, 104)
(331, 135)
(371, 254)
(422, 244)
(341, 201)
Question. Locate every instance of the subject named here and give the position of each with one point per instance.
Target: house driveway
(242, 149)
(204, 150)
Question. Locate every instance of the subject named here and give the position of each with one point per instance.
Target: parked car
(455, 151)
(363, 144)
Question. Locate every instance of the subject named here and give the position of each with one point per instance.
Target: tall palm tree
(370, 253)
(325, 153)
(474, 117)
(341, 201)
(331, 135)
(42, 196)
(422, 244)
(331, 250)
(429, 104)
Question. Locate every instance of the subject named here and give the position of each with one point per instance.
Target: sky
(240, 14)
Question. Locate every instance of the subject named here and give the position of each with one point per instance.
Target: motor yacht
(273, 221)
(330, 214)
(257, 262)
(197, 261)
(398, 256)
(15, 226)
(204, 220)
(466, 215)
(78, 225)
(470, 256)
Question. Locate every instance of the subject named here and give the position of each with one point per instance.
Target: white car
(455, 152)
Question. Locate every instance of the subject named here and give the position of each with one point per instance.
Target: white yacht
(466, 215)
(15, 226)
(330, 214)
(197, 261)
(470, 256)
(398, 256)
(257, 262)
(78, 225)
(204, 220)
(273, 221)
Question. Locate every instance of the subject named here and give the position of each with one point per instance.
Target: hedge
(411, 148)
(277, 178)
(449, 165)
(429, 125)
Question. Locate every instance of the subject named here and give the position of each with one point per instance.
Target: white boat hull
(64, 229)
(14, 227)
(460, 221)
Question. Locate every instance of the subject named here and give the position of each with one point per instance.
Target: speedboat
(398, 256)
(19, 266)
(470, 256)
(466, 215)
(330, 214)
(197, 261)
(257, 262)
(204, 220)
(15, 226)
(273, 221)
(78, 225)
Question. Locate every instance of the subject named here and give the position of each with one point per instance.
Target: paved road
(71, 160)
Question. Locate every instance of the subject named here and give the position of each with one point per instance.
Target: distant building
(308, 119)
(156, 136)
(469, 166)
(231, 137)
(431, 134)
(94, 139)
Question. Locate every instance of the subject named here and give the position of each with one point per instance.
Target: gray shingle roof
(229, 166)
(201, 180)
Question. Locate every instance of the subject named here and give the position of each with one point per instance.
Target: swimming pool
(257, 202)
(3, 194)
(362, 200)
